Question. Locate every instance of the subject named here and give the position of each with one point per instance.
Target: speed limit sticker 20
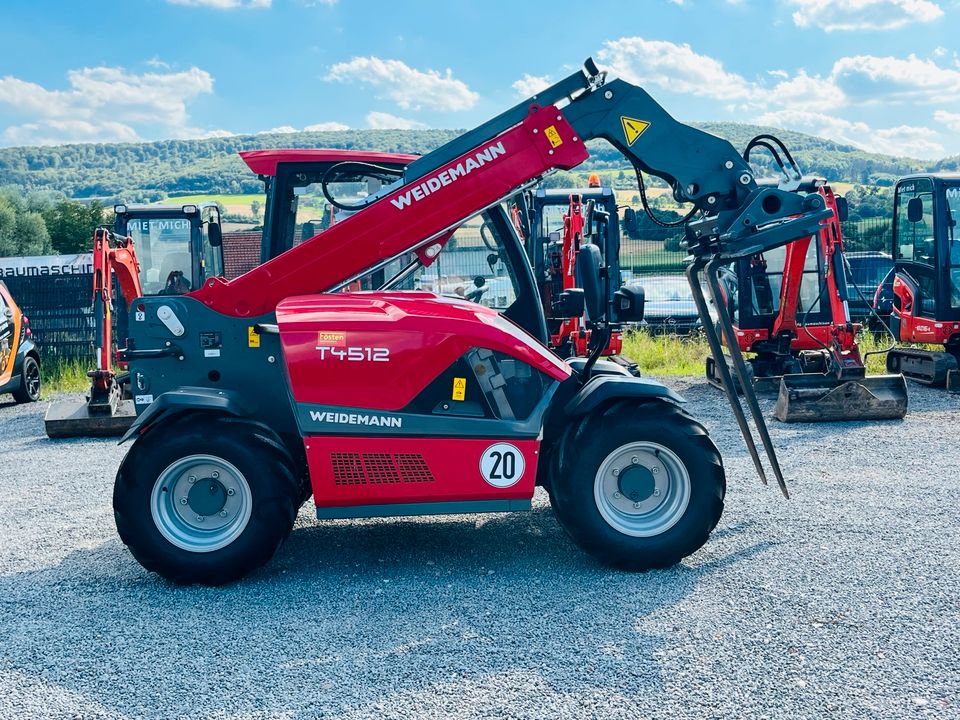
(502, 465)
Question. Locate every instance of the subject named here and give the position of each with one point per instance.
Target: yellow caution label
(633, 128)
(459, 388)
(253, 337)
(553, 136)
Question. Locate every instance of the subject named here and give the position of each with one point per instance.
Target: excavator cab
(178, 247)
(926, 278)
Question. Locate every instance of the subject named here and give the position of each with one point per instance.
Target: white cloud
(57, 132)
(407, 87)
(198, 134)
(905, 140)
(386, 121)
(326, 127)
(831, 15)
(100, 101)
(805, 92)
(673, 67)
(529, 85)
(869, 78)
(283, 129)
(950, 119)
(224, 4)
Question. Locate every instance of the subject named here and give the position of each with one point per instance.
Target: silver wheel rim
(642, 489)
(201, 503)
(33, 380)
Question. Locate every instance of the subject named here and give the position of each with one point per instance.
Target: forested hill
(148, 171)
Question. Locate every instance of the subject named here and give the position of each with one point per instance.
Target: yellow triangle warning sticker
(459, 388)
(633, 128)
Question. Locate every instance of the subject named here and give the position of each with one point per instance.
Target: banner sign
(45, 265)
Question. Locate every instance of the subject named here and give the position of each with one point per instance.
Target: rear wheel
(639, 486)
(206, 500)
(29, 390)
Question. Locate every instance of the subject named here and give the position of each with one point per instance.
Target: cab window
(473, 266)
(211, 260)
(914, 241)
(952, 205)
(163, 249)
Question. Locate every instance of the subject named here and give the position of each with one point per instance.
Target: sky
(882, 75)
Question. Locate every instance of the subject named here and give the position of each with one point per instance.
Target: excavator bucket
(72, 418)
(812, 397)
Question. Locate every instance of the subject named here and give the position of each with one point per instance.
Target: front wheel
(29, 390)
(206, 500)
(639, 486)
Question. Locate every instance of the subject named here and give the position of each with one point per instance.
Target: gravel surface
(843, 602)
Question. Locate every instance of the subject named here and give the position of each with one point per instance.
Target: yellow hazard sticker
(553, 136)
(633, 128)
(459, 388)
(253, 337)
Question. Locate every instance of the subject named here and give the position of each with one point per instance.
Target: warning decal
(459, 388)
(633, 128)
(553, 136)
(253, 337)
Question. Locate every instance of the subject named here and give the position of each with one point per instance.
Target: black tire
(29, 390)
(272, 492)
(603, 436)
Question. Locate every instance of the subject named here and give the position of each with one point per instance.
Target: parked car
(868, 270)
(668, 305)
(19, 360)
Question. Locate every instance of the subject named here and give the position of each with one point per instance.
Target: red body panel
(406, 219)
(916, 328)
(369, 471)
(264, 162)
(379, 340)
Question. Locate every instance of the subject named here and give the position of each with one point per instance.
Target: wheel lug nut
(231, 491)
(656, 493)
(616, 472)
(192, 479)
(200, 518)
(634, 459)
(214, 474)
(617, 496)
(656, 470)
(183, 501)
(223, 513)
(636, 505)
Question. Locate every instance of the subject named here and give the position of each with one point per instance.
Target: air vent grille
(379, 468)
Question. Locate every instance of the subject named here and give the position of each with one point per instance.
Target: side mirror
(915, 210)
(628, 303)
(843, 209)
(569, 304)
(588, 276)
(214, 234)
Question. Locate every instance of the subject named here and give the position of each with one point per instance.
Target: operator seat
(176, 262)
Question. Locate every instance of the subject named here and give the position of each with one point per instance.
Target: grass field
(233, 204)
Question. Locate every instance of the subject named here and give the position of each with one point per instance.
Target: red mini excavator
(926, 279)
(257, 392)
(790, 310)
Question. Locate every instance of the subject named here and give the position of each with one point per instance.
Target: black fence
(60, 310)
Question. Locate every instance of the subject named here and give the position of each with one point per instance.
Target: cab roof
(264, 162)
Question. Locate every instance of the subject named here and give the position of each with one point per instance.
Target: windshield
(163, 250)
(666, 290)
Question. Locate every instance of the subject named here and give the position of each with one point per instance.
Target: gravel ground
(842, 602)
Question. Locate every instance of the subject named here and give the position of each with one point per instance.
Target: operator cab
(294, 182)
(926, 247)
(178, 246)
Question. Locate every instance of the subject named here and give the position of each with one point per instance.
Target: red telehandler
(406, 402)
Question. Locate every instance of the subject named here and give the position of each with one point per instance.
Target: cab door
(916, 260)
